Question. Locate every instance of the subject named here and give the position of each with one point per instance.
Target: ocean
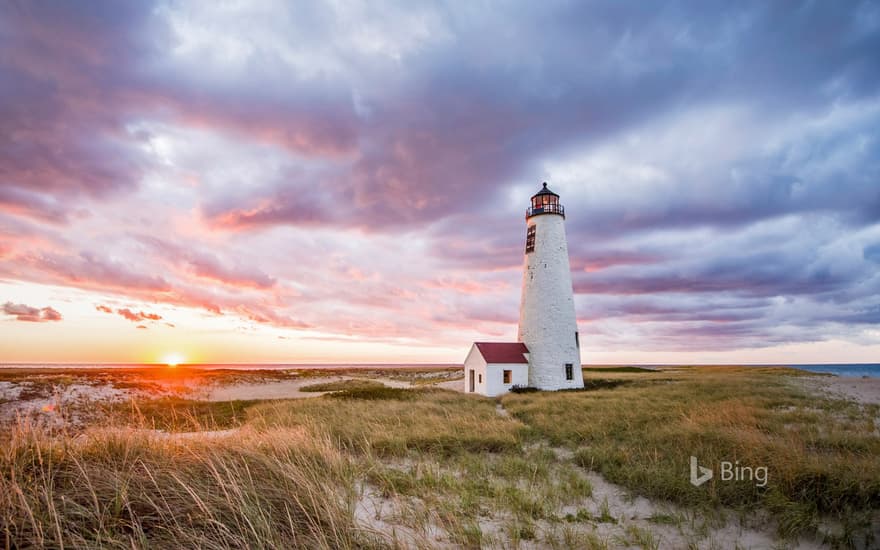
(871, 370)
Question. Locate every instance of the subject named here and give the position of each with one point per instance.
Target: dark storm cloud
(452, 141)
(471, 113)
(78, 78)
(61, 104)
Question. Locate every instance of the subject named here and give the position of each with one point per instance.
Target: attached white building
(547, 355)
(492, 368)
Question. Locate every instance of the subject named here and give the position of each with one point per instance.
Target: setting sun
(173, 359)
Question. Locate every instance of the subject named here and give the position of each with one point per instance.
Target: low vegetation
(372, 466)
(821, 455)
(339, 385)
(392, 422)
(618, 369)
(125, 488)
(173, 414)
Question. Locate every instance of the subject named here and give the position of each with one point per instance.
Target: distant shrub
(618, 369)
(523, 389)
(340, 385)
(601, 384)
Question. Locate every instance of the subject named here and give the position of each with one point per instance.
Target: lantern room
(545, 201)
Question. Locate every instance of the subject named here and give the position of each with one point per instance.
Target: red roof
(503, 352)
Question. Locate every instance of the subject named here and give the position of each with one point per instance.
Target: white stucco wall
(489, 379)
(475, 362)
(547, 322)
(519, 376)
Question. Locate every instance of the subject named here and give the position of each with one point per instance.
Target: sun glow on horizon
(173, 359)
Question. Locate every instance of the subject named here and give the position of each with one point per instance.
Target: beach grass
(128, 488)
(392, 421)
(446, 467)
(821, 455)
(174, 414)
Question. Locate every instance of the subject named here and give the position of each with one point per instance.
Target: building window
(480, 378)
(577, 339)
(569, 371)
(506, 376)
(530, 239)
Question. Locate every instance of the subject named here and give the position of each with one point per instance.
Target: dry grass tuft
(391, 421)
(124, 488)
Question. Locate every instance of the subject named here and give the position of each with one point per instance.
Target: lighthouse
(547, 353)
(547, 322)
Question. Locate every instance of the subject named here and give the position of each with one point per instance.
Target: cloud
(90, 270)
(207, 265)
(28, 203)
(138, 316)
(133, 316)
(62, 67)
(22, 312)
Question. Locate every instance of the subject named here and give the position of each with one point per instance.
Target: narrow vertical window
(480, 378)
(530, 239)
(506, 375)
(569, 371)
(577, 339)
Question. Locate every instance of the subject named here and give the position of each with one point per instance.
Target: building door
(472, 381)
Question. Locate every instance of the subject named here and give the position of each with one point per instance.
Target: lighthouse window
(530, 239)
(569, 371)
(506, 375)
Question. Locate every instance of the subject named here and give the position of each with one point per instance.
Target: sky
(273, 181)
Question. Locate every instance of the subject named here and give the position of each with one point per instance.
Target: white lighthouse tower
(547, 353)
(547, 322)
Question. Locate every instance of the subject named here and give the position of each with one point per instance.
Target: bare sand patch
(862, 390)
(611, 517)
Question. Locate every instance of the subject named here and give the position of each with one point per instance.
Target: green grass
(179, 415)
(617, 369)
(391, 421)
(338, 385)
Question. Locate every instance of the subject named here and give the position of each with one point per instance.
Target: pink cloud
(22, 312)
(138, 316)
(27, 203)
(471, 286)
(208, 266)
(88, 270)
(133, 316)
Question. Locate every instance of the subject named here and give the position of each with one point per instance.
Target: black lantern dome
(545, 201)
